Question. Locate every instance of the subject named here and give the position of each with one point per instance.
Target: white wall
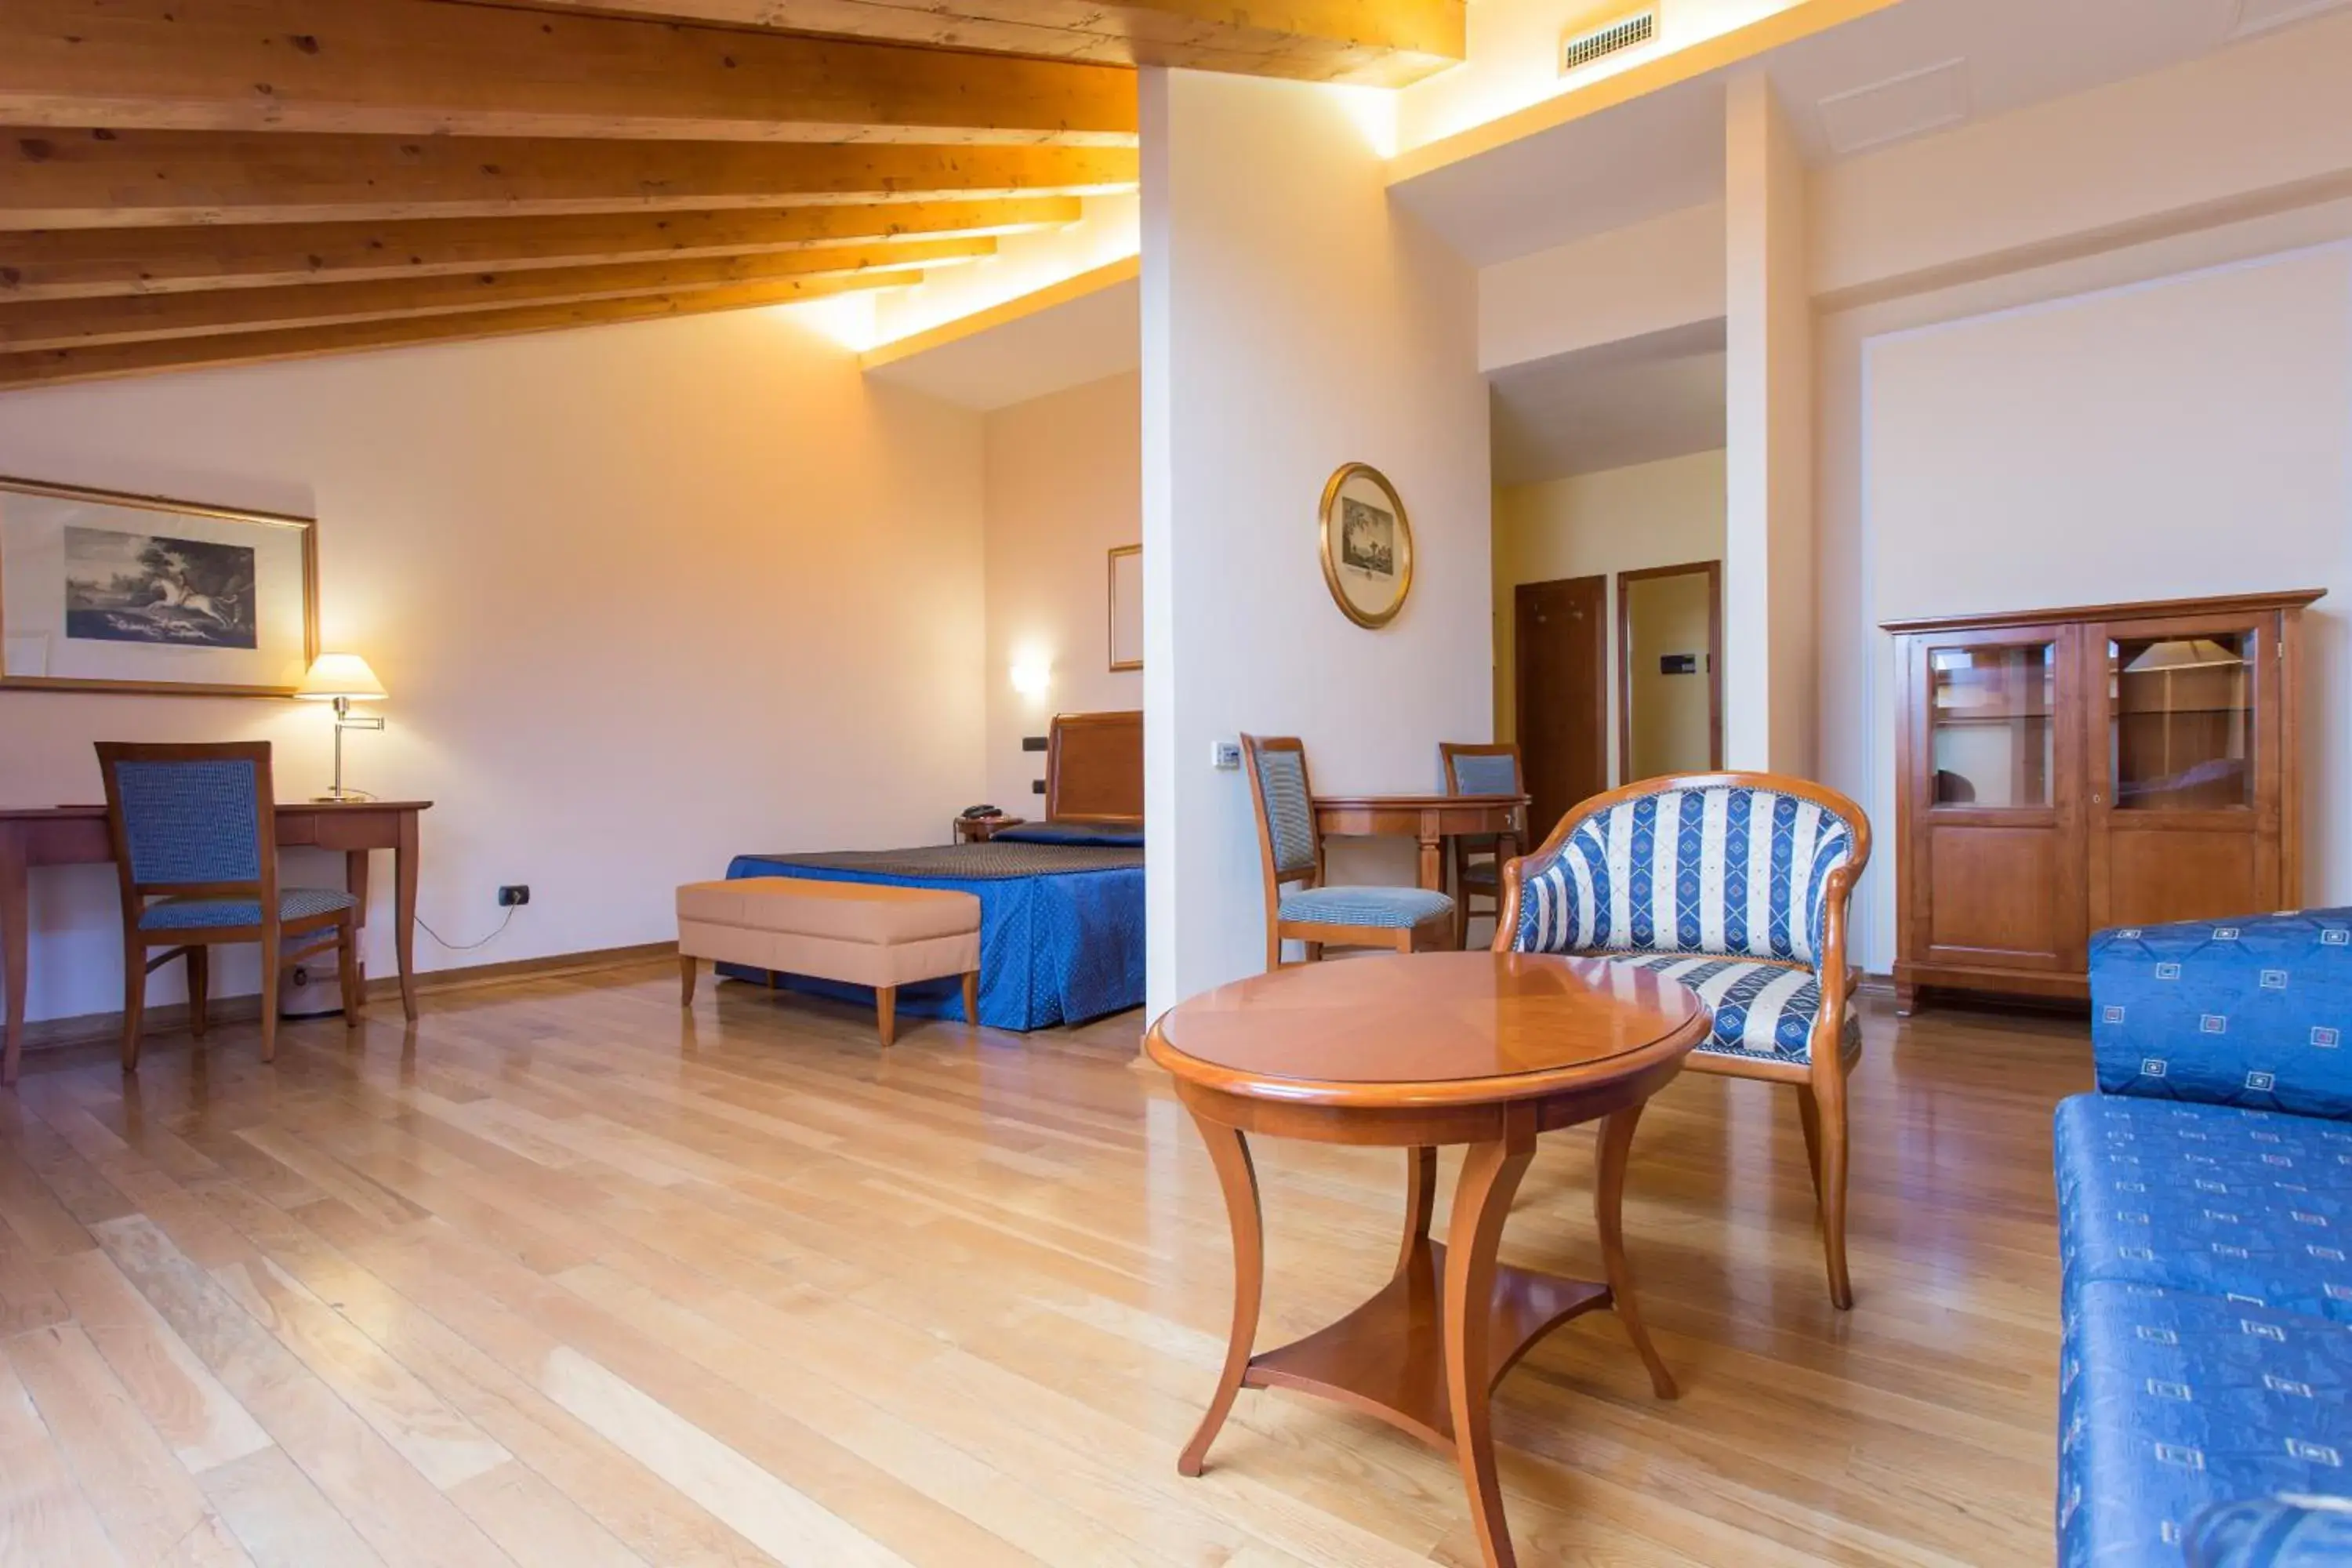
(1619, 519)
(643, 596)
(1064, 489)
(1629, 283)
(2186, 434)
(1293, 322)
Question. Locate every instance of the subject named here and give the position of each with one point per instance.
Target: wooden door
(2182, 720)
(1562, 663)
(1992, 770)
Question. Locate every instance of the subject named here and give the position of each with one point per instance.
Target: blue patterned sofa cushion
(1761, 1009)
(2254, 1011)
(189, 913)
(2171, 1403)
(2273, 1533)
(2240, 1204)
(1394, 909)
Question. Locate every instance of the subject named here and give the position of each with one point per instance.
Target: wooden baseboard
(94, 1028)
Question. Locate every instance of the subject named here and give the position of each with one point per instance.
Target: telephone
(979, 812)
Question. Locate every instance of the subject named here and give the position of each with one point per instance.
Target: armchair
(1735, 884)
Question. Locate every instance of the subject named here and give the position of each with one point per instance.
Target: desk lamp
(342, 679)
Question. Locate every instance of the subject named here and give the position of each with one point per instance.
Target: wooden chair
(195, 827)
(1492, 769)
(1755, 922)
(1290, 849)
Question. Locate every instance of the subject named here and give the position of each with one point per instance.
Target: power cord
(468, 946)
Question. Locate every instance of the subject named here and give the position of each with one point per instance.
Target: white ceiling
(1639, 400)
(1663, 152)
(1063, 346)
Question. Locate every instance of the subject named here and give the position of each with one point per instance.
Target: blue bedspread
(1061, 926)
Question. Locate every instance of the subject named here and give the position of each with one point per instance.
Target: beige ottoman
(858, 932)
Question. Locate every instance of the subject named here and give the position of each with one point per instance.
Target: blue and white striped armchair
(1735, 884)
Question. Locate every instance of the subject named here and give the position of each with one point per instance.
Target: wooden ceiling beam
(418, 68)
(55, 366)
(101, 178)
(1366, 43)
(77, 323)
(90, 263)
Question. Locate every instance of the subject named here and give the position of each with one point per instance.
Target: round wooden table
(1415, 1051)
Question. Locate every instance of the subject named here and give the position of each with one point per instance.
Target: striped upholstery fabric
(1282, 778)
(1729, 871)
(1761, 1008)
(1494, 774)
(1391, 909)
(187, 914)
(191, 821)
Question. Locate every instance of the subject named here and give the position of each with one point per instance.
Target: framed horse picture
(106, 592)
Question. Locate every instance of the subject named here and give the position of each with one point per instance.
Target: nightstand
(980, 830)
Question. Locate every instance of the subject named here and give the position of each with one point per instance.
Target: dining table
(1429, 820)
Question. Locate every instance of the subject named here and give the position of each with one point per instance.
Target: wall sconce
(340, 678)
(1033, 675)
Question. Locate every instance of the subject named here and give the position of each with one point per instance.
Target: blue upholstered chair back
(1486, 772)
(1727, 871)
(1290, 813)
(193, 821)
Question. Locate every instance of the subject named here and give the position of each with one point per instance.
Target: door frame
(1520, 623)
(1625, 579)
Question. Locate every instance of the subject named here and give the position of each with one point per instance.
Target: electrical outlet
(1224, 755)
(513, 894)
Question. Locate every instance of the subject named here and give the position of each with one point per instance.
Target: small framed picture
(104, 592)
(1367, 545)
(1127, 607)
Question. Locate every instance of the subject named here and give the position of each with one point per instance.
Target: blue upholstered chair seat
(1483, 874)
(2171, 1401)
(1762, 1009)
(192, 913)
(2241, 1204)
(1391, 909)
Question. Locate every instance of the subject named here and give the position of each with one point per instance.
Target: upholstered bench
(862, 933)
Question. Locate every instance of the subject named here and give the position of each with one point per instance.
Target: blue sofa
(2205, 1220)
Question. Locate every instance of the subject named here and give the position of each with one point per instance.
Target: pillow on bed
(1104, 834)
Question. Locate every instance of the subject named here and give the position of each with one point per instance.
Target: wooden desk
(75, 835)
(1412, 1052)
(1430, 819)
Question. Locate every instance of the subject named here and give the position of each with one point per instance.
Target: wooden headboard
(1094, 768)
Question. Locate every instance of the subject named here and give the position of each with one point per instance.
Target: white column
(1768, 587)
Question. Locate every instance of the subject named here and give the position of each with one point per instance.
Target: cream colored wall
(1621, 520)
(1669, 722)
(2070, 438)
(643, 596)
(1065, 487)
(1646, 277)
(1294, 320)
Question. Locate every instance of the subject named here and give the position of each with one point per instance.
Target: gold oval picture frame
(1367, 545)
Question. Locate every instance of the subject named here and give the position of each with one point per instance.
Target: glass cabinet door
(1991, 724)
(2181, 721)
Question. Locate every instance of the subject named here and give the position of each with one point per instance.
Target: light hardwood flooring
(561, 1275)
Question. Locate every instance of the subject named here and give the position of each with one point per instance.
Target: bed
(1061, 900)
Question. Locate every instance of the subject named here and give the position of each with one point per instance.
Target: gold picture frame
(1366, 544)
(111, 591)
(1127, 607)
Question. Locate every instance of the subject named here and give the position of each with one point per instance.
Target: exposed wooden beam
(71, 323)
(68, 264)
(53, 366)
(422, 68)
(1369, 42)
(89, 179)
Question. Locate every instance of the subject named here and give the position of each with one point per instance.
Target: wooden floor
(560, 1277)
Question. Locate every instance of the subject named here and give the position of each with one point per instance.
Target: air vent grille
(1622, 33)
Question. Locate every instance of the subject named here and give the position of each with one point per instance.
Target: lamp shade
(336, 675)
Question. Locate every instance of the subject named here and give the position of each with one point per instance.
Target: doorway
(1670, 670)
(1561, 661)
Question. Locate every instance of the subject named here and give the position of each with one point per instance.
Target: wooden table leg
(355, 883)
(1420, 1202)
(13, 942)
(403, 912)
(1229, 1152)
(1482, 1201)
(1609, 1218)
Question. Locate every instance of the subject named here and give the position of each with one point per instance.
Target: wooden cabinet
(2058, 772)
